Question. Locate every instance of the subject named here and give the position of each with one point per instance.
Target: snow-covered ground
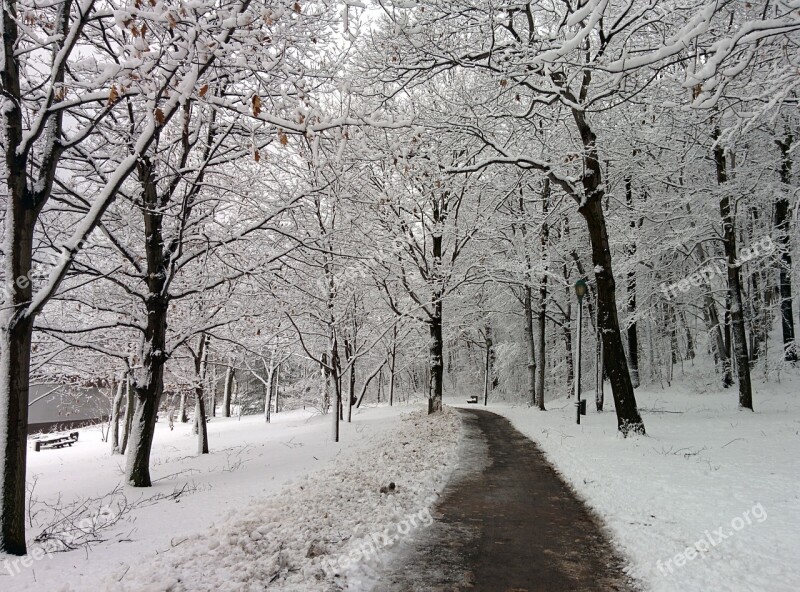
(265, 494)
(708, 500)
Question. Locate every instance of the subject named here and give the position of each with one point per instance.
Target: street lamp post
(580, 291)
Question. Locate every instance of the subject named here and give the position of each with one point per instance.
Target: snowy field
(708, 500)
(286, 484)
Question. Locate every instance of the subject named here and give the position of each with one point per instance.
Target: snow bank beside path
(708, 500)
(321, 530)
(249, 460)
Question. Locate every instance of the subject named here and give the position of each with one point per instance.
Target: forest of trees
(242, 206)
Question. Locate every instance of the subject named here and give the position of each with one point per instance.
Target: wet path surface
(507, 523)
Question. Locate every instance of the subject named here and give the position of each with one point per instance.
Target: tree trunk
(628, 418)
(369, 379)
(542, 328)
(269, 384)
(633, 338)
(326, 377)
(436, 353)
(393, 359)
(273, 372)
(566, 331)
(130, 407)
(542, 316)
(227, 390)
(277, 387)
(673, 336)
(758, 320)
(337, 386)
(726, 327)
(15, 351)
(591, 208)
(715, 327)
(783, 238)
(689, 339)
(149, 379)
(351, 384)
(530, 343)
(183, 414)
(200, 369)
(24, 203)
(16, 326)
(212, 403)
(487, 376)
(734, 281)
(116, 409)
(599, 369)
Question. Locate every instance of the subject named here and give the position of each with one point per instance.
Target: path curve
(507, 523)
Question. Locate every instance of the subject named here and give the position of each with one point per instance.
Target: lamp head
(581, 288)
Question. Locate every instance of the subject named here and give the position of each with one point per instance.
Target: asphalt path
(507, 523)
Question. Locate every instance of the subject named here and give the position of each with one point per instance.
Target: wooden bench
(58, 442)
(473, 399)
